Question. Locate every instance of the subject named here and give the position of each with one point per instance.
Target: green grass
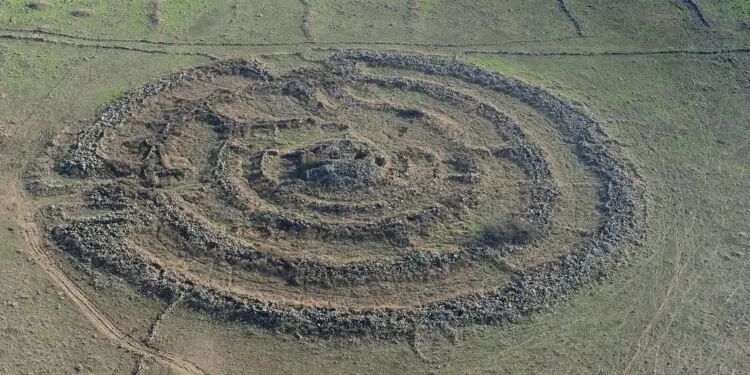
(729, 14)
(112, 18)
(257, 21)
(110, 96)
(485, 21)
(176, 12)
(503, 66)
(379, 20)
(426, 5)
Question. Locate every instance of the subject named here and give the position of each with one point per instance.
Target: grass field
(680, 306)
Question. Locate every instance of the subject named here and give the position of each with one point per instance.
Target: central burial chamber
(336, 164)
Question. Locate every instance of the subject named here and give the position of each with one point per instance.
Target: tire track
(612, 53)
(680, 264)
(274, 44)
(104, 46)
(333, 49)
(643, 338)
(97, 317)
(147, 41)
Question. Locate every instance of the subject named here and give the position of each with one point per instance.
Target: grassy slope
(684, 120)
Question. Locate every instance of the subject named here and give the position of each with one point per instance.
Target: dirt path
(333, 47)
(97, 317)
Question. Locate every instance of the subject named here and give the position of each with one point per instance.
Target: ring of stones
(335, 178)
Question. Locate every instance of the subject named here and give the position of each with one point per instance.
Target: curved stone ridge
(342, 190)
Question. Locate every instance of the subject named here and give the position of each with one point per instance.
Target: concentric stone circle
(279, 177)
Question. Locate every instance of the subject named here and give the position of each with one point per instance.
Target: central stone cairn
(337, 163)
(335, 202)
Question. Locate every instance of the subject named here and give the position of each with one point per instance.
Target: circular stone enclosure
(365, 196)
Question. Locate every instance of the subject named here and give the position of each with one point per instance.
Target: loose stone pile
(333, 183)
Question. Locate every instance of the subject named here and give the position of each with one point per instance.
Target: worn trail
(97, 317)
(102, 46)
(331, 48)
(613, 53)
(37, 32)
